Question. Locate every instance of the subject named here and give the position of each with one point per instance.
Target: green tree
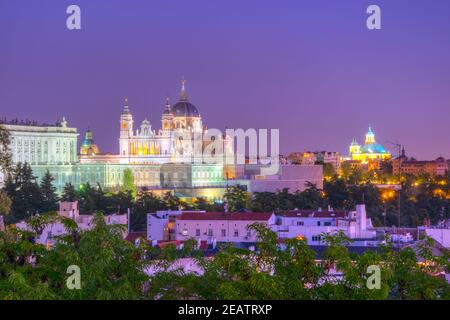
(128, 184)
(264, 202)
(24, 192)
(48, 191)
(5, 152)
(337, 192)
(111, 268)
(172, 201)
(237, 198)
(69, 193)
(5, 203)
(146, 202)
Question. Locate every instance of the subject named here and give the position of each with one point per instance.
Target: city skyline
(246, 66)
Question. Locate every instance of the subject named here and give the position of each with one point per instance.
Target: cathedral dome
(373, 148)
(88, 146)
(185, 109)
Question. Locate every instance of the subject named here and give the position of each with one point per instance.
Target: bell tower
(167, 117)
(126, 129)
(370, 136)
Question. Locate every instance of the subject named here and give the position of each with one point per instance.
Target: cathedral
(181, 139)
(179, 125)
(371, 151)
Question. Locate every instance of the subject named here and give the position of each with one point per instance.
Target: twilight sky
(310, 68)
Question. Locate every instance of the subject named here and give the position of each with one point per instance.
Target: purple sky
(310, 68)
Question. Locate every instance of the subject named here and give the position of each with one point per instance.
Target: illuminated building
(371, 152)
(312, 158)
(161, 159)
(167, 159)
(88, 146)
(405, 165)
(42, 145)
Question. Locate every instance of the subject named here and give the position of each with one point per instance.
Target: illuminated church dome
(370, 151)
(88, 146)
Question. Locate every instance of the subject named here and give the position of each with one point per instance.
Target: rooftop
(241, 216)
(30, 123)
(315, 214)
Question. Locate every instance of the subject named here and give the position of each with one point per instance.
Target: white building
(293, 177)
(70, 210)
(161, 226)
(214, 227)
(440, 233)
(313, 224)
(42, 145)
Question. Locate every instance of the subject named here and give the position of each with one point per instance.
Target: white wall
(155, 227)
(187, 229)
(440, 235)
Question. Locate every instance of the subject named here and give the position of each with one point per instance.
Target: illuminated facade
(42, 145)
(161, 159)
(411, 166)
(88, 146)
(370, 152)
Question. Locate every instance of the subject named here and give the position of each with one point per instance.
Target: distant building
(161, 226)
(42, 145)
(405, 165)
(369, 153)
(293, 177)
(53, 231)
(314, 157)
(215, 227)
(312, 225)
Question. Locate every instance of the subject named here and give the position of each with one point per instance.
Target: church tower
(370, 136)
(126, 129)
(355, 148)
(167, 117)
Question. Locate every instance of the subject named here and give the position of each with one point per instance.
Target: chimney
(128, 220)
(361, 217)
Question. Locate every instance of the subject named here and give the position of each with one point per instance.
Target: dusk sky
(310, 68)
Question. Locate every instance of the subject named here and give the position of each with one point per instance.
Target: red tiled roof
(315, 214)
(163, 244)
(243, 216)
(132, 236)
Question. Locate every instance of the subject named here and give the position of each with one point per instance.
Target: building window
(327, 224)
(223, 232)
(300, 223)
(210, 232)
(249, 234)
(185, 232)
(197, 232)
(318, 223)
(236, 233)
(316, 238)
